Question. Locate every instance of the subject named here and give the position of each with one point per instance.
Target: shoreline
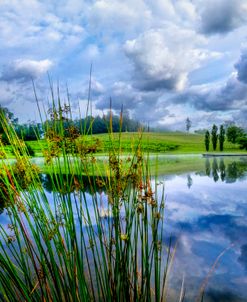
(223, 154)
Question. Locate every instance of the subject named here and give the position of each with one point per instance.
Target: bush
(242, 141)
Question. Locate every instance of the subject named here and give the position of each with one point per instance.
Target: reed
(104, 246)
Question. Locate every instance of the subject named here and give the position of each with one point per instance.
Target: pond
(206, 214)
(205, 217)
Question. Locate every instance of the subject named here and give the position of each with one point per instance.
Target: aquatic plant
(80, 247)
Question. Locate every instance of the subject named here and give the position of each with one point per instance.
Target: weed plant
(79, 247)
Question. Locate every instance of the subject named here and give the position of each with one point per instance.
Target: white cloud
(34, 25)
(143, 52)
(24, 70)
(163, 58)
(118, 16)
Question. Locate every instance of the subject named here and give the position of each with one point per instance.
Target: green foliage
(214, 136)
(207, 140)
(5, 113)
(30, 150)
(221, 137)
(23, 149)
(29, 132)
(97, 125)
(242, 141)
(233, 133)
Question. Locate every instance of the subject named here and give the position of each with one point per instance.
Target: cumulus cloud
(230, 95)
(163, 58)
(141, 105)
(7, 94)
(35, 26)
(220, 16)
(118, 16)
(143, 52)
(241, 67)
(240, 116)
(225, 97)
(123, 94)
(24, 70)
(15, 94)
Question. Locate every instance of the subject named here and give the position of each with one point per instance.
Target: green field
(166, 142)
(158, 145)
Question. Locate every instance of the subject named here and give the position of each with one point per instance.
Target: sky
(163, 60)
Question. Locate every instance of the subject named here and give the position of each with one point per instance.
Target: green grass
(165, 142)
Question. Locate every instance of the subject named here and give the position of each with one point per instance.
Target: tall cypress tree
(214, 136)
(222, 137)
(207, 140)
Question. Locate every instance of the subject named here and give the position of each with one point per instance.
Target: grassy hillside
(166, 142)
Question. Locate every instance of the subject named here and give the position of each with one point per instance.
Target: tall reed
(104, 246)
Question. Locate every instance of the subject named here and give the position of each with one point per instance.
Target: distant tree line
(100, 124)
(233, 133)
(33, 131)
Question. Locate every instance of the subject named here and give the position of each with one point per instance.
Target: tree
(242, 141)
(4, 112)
(214, 136)
(207, 140)
(222, 137)
(233, 133)
(188, 124)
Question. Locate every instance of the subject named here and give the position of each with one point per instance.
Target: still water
(206, 213)
(205, 217)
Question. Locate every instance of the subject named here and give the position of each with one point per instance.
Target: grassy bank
(158, 145)
(165, 142)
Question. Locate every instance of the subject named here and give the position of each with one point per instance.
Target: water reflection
(67, 183)
(209, 220)
(222, 169)
(189, 181)
(205, 215)
(228, 172)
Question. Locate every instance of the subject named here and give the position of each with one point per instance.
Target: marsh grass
(78, 247)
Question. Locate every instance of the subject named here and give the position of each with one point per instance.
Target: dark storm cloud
(220, 16)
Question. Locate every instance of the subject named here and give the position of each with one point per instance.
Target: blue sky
(163, 60)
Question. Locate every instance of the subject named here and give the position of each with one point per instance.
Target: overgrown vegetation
(80, 247)
(237, 135)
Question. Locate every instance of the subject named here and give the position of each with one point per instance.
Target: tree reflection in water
(229, 173)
